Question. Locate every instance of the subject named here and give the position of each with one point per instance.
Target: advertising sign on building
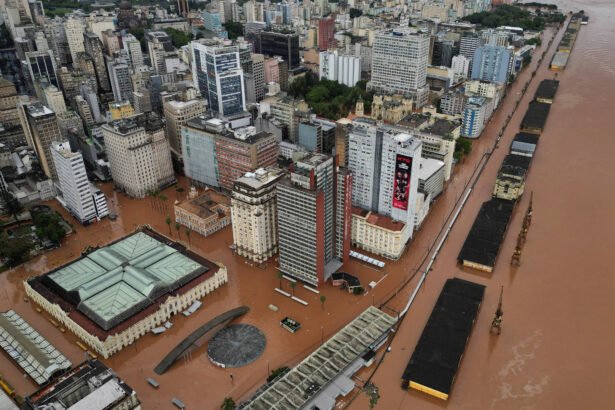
(401, 183)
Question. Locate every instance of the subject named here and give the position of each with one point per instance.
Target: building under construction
(437, 356)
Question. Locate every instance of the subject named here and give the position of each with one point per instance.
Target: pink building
(272, 71)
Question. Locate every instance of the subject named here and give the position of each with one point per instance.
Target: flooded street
(556, 346)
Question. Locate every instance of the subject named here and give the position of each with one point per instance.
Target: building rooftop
(414, 121)
(482, 244)
(34, 354)
(261, 177)
(438, 353)
(210, 203)
(313, 374)
(89, 386)
(38, 110)
(111, 288)
(429, 167)
(547, 89)
(442, 127)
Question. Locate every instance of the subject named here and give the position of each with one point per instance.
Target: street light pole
(322, 335)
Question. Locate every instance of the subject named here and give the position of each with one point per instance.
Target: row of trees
(507, 15)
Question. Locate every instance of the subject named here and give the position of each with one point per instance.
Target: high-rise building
(159, 44)
(468, 44)
(474, 115)
(119, 77)
(133, 46)
(243, 150)
(74, 29)
(461, 66)
(284, 44)
(54, 99)
(56, 37)
(177, 113)
(385, 165)
(77, 194)
(399, 63)
(8, 103)
(326, 33)
(139, 154)
(255, 79)
(94, 48)
(199, 150)
(219, 77)
(41, 129)
(254, 212)
(443, 51)
(492, 63)
(183, 8)
(41, 67)
(345, 69)
(307, 219)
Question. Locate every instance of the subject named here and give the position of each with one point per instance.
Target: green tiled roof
(114, 282)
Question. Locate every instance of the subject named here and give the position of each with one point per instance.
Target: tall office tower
(492, 63)
(326, 33)
(228, 10)
(89, 94)
(199, 150)
(344, 69)
(133, 47)
(74, 29)
(255, 79)
(139, 154)
(341, 141)
(494, 37)
(177, 114)
(56, 36)
(399, 63)
(119, 77)
(283, 43)
(41, 128)
(8, 103)
(443, 53)
(468, 44)
(40, 41)
(94, 48)
(77, 196)
(112, 41)
(212, 21)
(243, 150)
(287, 12)
(219, 77)
(249, 11)
(41, 67)
(158, 45)
(254, 213)
(54, 99)
(385, 166)
(343, 214)
(307, 223)
(183, 8)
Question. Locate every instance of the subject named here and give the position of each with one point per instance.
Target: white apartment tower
(78, 197)
(139, 154)
(345, 69)
(254, 213)
(399, 63)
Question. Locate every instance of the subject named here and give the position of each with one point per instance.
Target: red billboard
(401, 182)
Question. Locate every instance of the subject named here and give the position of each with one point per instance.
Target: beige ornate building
(391, 108)
(112, 296)
(378, 234)
(254, 209)
(206, 213)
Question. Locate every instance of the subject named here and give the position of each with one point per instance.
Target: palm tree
(292, 286)
(188, 236)
(155, 195)
(323, 299)
(163, 198)
(13, 206)
(280, 276)
(179, 234)
(168, 222)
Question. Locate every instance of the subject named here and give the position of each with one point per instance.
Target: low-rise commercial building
(378, 234)
(111, 296)
(206, 213)
(90, 385)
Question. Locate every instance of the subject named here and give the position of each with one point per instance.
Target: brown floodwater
(556, 346)
(555, 351)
